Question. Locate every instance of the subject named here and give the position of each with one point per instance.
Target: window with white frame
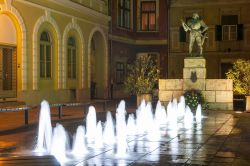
(71, 58)
(229, 27)
(229, 32)
(124, 12)
(45, 55)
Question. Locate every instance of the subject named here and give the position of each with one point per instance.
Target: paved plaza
(222, 138)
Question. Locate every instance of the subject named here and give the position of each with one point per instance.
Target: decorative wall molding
(194, 3)
(138, 42)
(73, 26)
(80, 8)
(105, 39)
(108, 18)
(7, 8)
(46, 18)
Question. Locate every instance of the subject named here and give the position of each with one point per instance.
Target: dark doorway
(7, 72)
(224, 69)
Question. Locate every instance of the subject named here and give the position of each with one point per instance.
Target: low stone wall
(217, 92)
(170, 88)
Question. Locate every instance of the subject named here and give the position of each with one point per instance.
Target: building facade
(138, 27)
(54, 50)
(228, 34)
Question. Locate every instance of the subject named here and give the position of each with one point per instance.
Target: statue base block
(194, 73)
(217, 92)
(192, 62)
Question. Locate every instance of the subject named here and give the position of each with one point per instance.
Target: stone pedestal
(217, 92)
(194, 73)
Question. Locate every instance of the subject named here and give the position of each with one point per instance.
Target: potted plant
(194, 97)
(142, 78)
(240, 74)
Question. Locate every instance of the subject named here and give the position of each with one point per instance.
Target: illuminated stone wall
(217, 92)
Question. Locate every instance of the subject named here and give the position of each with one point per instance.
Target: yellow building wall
(52, 90)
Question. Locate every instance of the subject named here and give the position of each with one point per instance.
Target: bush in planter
(142, 76)
(240, 74)
(193, 98)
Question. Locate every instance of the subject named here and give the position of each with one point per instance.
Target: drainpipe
(110, 52)
(168, 33)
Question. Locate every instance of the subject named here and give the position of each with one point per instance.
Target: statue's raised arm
(185, 26)
(197, 28)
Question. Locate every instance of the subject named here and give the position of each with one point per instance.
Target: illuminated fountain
(45, 129)
(109, 133)
(59, 145)
(181, 107)
(79, 148)
(121, 134)
(160, 114)
(140, 123)
(172, 115)
(198, 115)
(116, 133)
(91, 124)
(131, 125)
(98, 136)
(188, 118)
(152, 127)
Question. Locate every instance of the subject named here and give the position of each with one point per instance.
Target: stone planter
(248, 104)
(146, 97)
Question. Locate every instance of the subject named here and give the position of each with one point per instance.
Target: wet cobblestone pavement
(222, 138)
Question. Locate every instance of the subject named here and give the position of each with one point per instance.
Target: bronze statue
(197, 33)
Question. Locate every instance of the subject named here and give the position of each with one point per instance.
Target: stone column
(194, 73)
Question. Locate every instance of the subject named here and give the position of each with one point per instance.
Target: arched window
(45, 55)
(71, 58)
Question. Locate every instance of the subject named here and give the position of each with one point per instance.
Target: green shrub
(142, 76)
(240, 74)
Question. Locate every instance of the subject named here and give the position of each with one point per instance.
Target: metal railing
(60, 106)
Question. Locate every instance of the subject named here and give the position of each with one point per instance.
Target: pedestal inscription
(200, 72)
